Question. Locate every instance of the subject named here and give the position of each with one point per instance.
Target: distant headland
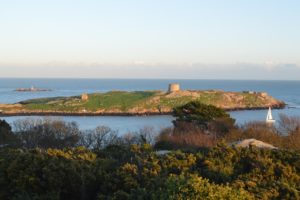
(150, 102)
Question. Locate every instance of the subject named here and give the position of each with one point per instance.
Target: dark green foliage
(7, 138)
(51, 174)
(138, 172)
(4, 127)
(196, 125)
(268, 174)
(199, 113)
(113, 168)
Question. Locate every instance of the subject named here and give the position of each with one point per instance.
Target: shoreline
(63, 113)
(138, 103)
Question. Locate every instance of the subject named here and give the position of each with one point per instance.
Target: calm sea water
(288, 91)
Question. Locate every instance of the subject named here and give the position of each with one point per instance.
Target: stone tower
(174, 87)
(84, 97)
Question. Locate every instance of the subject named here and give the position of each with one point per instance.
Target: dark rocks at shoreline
(62, 113)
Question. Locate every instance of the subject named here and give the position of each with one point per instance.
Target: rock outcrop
(253, 142)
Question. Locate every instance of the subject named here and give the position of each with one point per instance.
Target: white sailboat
(270, 117)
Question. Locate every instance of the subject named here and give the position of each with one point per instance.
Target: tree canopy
(7, 138)
(199, 113)
(202, 119)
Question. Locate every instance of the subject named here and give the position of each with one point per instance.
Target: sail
(269, 116)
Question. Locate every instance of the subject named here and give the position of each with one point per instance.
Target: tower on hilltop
(174, 87)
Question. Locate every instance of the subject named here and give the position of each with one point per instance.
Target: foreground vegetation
(140, 102)
(52, 159)
(198, 125)
(138, 172)
(48, 159)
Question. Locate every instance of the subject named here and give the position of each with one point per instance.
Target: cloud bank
(140, 69)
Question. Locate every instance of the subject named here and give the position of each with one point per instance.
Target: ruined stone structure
(173, 87)
(263, 94)
(84, 97)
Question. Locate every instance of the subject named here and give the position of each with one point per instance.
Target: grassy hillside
(140, 102)
(104, 101)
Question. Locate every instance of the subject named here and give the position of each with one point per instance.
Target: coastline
(138, 103)
(64, 113)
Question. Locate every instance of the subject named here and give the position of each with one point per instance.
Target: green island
(140, 102)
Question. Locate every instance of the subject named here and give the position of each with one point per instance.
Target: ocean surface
(288, 91)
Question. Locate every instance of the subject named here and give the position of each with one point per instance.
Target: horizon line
(93, 78)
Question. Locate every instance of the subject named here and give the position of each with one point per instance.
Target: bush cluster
(52, 159)
(197, 125)
(138, 172)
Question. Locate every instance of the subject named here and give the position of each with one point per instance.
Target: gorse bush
(193, 187)
(138, 172)
(52, 159)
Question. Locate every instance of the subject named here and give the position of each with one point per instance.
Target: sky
(190, 39)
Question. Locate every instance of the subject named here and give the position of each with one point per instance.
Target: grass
(142, 100)
(101, 101)
(173, 102)
(211, 97)
(118, 99)
(252, 100)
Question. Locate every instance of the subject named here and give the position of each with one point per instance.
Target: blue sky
(227, 39)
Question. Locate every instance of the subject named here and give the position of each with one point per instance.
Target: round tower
(174, 87)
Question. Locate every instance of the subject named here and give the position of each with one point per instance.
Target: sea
(288, 91)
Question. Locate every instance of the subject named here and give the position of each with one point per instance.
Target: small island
(32, 89)
(154, 102)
